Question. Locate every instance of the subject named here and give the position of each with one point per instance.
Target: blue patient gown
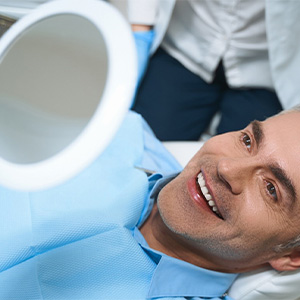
(75, 240)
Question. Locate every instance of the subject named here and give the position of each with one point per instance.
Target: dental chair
(74, 40)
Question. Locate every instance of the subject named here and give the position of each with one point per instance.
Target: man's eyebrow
(287, 183)
(274, 168)
(257, 132)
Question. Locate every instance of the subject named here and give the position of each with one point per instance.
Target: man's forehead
(286, 120)
(281, 135)
(281, 131)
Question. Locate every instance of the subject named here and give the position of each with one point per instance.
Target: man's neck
(159, 237)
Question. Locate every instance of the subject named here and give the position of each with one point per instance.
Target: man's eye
(272, 190)
(247, 141)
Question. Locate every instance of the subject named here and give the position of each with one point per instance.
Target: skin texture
(243, 173)
(139, 27)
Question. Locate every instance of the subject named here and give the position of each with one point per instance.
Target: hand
(143, 42)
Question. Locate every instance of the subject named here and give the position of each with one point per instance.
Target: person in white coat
(238, 58)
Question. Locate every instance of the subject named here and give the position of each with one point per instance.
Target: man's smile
(201, 194)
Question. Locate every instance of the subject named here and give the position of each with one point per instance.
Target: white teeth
(211, 203)
(206, 194)
(208, 197)
(201, 180)
(204, 189)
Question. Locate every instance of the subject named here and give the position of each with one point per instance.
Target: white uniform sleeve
(142, 11)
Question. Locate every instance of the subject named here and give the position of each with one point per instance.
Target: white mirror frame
(118, 93)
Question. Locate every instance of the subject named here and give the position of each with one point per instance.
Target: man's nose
(236, 172)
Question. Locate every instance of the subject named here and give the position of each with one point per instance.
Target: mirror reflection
(51, 81)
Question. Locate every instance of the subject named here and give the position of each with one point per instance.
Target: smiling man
(236, 206)
(116, 232)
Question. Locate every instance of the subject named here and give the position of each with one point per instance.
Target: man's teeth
(206, 194)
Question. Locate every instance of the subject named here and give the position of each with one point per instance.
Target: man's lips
(201, 195)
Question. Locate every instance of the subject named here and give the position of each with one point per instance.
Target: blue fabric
(143, 41)
(75, 241)
(156, 157)
(177, 278)
(60, 243)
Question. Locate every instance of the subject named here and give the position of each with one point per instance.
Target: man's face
(253, 178)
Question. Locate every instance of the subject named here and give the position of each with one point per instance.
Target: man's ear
(288, 262)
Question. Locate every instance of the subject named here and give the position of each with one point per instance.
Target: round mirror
(67, 77)
(51, 81)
